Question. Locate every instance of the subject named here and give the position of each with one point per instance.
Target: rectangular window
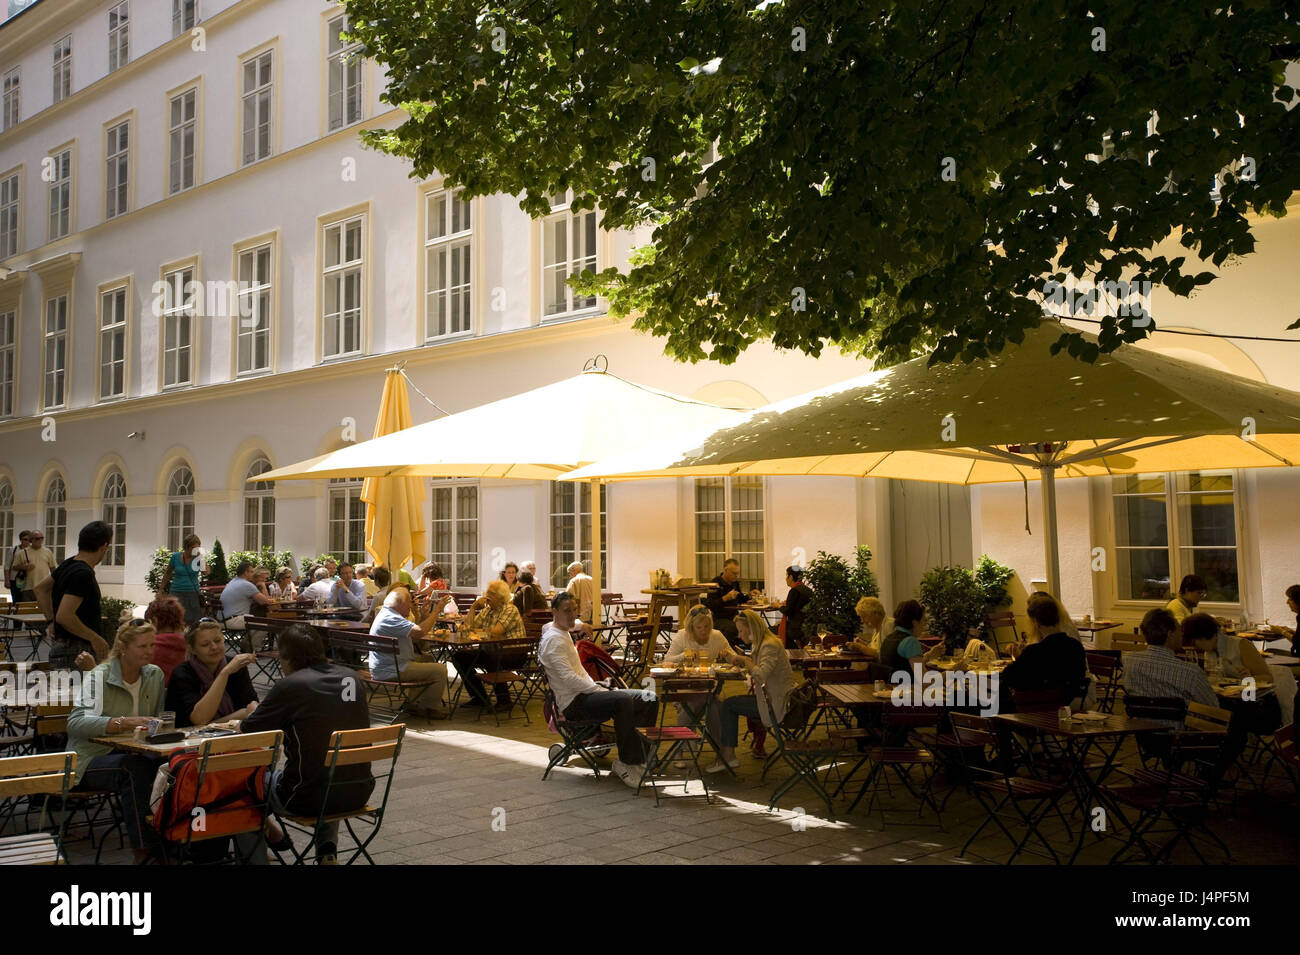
(568, 248)
(455, 533)
(185, 13)
(344, 76)
(447, 265)
(253, 351)
(257, 108)
(8, 366)
(571, 531)
(182, 130)
(56, 352)
(347, 520)
(341, 315)
(12, 102)
(259, 523)
(61, 195)
(729, 523)
(112, 344)
(113, 514)
(180, 522)
(9, 200)
(116, 171)
(178, 328)
(63, 68)
(1154, 553)
(119, 37)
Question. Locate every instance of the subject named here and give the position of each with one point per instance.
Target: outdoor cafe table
(33, 623)
(194, 737)
(801, 658)
(698, 715)
(1079, 738)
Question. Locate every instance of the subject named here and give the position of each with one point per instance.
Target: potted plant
(837, 586)
(954, 603)
(993, 579)
(217, 575)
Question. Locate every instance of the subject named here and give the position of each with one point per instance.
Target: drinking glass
(166, 721)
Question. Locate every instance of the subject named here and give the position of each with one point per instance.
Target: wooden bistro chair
(900, 758)
(685, 693)
(348, 748)
(1288, 755)
(1001, 620)
(1105, 669)
(1124, 643)
(1021, 801)
(245, 757)
(509, 664)
(26, 777)
(1155, 747)
(393, 695)
(803, 756)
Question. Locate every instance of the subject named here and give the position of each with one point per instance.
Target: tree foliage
(837, 586)
(953, 602)
(827, 216)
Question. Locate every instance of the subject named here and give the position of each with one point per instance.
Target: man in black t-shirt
(70, 597)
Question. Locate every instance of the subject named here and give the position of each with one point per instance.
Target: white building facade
(204, 275)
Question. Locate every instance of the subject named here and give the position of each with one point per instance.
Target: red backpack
(232, 800)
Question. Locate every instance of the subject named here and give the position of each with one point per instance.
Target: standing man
(14, 577)
(583, 589)
(347, 591)
(70, 595)
(725, 600)
(35, 562)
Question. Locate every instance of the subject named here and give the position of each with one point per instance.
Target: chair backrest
(229, 789)
(1102, 665)
(1038, 701)
(1284, 738)
(31, 775)
(1207, 719)
(1127, 644)
(463, 601)
(1169, 708)
(344, 645)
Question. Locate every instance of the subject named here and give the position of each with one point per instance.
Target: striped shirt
(1155, 671)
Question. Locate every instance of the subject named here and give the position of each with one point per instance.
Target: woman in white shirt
(699, 643)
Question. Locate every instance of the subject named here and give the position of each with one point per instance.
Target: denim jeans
(733, 708)
(629, 710)
(251, 846)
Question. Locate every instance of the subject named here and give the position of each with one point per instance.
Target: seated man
(240, 597)
(312, 700)
(1155, 671)
(320, 587)
(391, 622)
(347, 591)
(1052, 661)
(581, 698)
(725, 600)
(498, 617)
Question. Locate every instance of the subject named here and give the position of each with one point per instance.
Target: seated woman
(168, 618)
(901, 650)
(1236, 659)
(207, 686)
(706, 645)
(284, 588)
(529, 596)
(431, 579)
(1052, 660)
(768, 664)
(123, 692)
(876, 626)
(510, 574)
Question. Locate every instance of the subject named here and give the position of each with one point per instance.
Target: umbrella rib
(1273, 454)
(1117, 446)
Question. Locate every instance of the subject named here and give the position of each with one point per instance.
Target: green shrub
(157, 569)
(265, 558)
(836, 589)
(993, 579)
(217, 566)
(110, 610)
(954, 603)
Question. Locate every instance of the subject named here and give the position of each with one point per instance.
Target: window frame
(579, 515)
(62, 69)
(328, 20)
(9, 385)
(12, 211)
(59, 336)
(6, 515)
(271, 91)
(350, 490)
(179, 26)
(113, 513)
(54, 516)
(68, 186)
(729, 518)
(124, 157)
(563, 211)
(119, 36)
(450, 561)
(259, 494)
(194, 86)
(11, 98)
(340, 220)
(179, 505)
(122, 286)
(1174, 482)
(468, 240)
(252, 246)
(165, 272)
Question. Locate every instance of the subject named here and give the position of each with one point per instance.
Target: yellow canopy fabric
(394, 505)
(1132, 411)
(536, 435)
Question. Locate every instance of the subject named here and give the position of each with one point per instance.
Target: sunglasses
(138, 622)
(208, 620)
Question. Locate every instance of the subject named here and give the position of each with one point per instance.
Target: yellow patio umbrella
(1019, 415)
(594, 414)
(394, 505)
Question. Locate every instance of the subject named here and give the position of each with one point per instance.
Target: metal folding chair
(900, 758)
(683, 693)
(803, 756)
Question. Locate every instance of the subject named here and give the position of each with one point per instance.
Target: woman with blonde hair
(768, 665)
(123, 692)
(876, 626)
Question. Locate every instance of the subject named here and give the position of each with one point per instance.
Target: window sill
(447, 339)
(572, 316)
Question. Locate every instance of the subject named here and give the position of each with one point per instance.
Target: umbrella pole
(1050, 544)
(596, 568)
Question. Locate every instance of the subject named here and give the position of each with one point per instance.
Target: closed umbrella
(394, 505)
(1022, 414)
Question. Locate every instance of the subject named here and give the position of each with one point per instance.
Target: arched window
(6, 517)
(259, 508)
(180, 506)
(114, 515)
(56, 517)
